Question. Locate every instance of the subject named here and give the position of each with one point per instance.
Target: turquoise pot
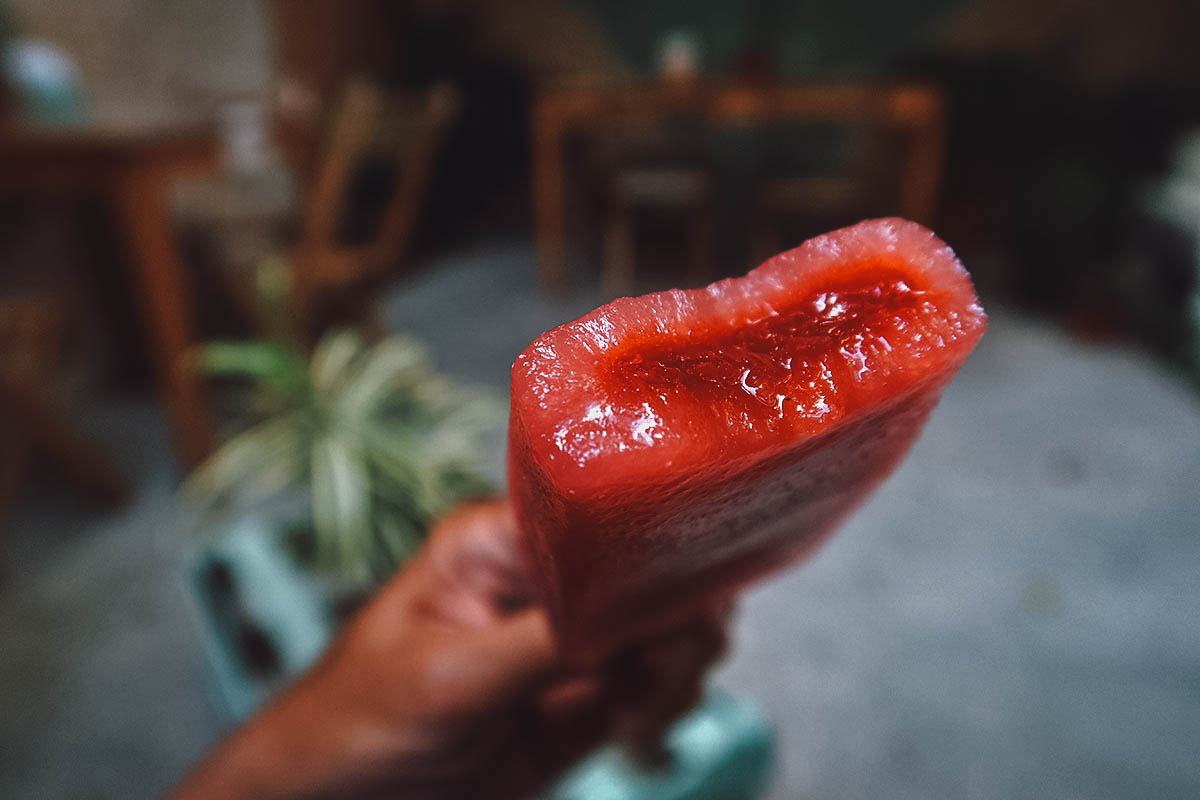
(722, 750)
(264, 620)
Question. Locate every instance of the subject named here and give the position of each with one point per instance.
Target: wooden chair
(889, 166)
(30, 336)
(360, 195)
(379, 145)
(790, 209)
(654, 166)
(686, 192)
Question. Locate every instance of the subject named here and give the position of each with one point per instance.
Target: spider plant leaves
(408, 476)
(415, 475)
(455, 438)
(333, 357)
(341, 502)
(392, 364)
(268, 362)
(383, 443)
(258, 462)
(398, 537)
(262, 360)
(398, 461)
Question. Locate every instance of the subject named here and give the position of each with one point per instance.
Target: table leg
(549, 213)
(145, 213)
(925, 120)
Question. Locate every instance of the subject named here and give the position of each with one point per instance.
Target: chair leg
(617, 276)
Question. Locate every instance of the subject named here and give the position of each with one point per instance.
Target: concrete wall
(149, 57)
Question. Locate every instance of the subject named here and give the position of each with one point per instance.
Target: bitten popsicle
(666, 450)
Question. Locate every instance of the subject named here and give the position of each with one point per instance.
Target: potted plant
(348, 457)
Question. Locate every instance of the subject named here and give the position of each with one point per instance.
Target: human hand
(448, 685)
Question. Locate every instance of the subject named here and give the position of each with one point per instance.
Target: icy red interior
(790, 371)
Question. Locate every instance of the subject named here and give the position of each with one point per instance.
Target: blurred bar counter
(134, 167)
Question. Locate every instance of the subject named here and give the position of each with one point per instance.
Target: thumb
(513, 656)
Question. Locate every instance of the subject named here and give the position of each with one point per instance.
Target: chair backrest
(365, 197)
(888, 155)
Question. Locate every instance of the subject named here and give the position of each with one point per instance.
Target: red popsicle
(667, 449)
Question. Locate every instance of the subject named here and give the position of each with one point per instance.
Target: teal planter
(265, 621)
(723, 750)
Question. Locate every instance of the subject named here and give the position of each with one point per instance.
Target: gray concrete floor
(1015, 614)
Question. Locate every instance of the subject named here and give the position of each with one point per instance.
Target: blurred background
(200, 199)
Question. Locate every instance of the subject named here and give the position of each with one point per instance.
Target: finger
(571, 719)
(664, 678)
(459, 537)
(570, 731)
(510, 658)
(475, 570)
(566, 694)
(644, 731)
(647, 669)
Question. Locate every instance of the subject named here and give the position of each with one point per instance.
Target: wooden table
(134, 166)
(558, 112)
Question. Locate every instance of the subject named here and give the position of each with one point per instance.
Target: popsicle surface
(666, 450)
